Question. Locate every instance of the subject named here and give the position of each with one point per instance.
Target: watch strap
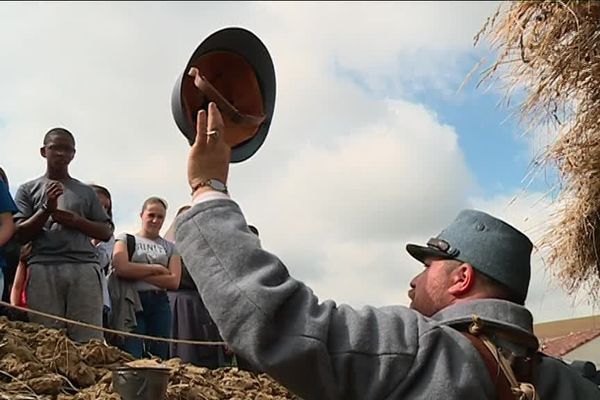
(211, 183)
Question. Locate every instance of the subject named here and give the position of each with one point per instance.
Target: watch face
(217, 185)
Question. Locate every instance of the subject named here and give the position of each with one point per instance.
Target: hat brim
(244, 43)
(422, 253)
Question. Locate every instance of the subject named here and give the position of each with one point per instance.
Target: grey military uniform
(327, 351)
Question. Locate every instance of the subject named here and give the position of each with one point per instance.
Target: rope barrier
(108, 330)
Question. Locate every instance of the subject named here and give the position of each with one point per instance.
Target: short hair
(492, 287)
(154, 200)
(498, 290)
(57, 132)
(102, 190)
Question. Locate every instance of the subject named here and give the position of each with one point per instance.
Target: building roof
(558, 338)
(558, 346)
(566, 326)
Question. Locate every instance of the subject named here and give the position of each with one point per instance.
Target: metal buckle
(442, 245)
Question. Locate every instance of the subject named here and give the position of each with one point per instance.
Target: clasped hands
(55, 189)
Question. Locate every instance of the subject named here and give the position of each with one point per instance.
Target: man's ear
(462, 280)
(43, 151)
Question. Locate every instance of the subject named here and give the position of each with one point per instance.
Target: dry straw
(550, 52)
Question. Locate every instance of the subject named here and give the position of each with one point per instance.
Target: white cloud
(347, 175)
(340, 215)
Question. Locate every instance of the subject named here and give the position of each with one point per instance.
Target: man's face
(429, 289)
(59, 151)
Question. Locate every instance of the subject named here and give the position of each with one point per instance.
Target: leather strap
(512, 378)
(500, 381)
(212, 94)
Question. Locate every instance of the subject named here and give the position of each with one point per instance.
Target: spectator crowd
(59, 255)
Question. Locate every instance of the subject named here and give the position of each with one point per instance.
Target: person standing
(154, 266)
(7, 225)
(60, 216)
(191, 320)
(105, 251)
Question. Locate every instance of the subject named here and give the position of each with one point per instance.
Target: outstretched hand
(210, 154)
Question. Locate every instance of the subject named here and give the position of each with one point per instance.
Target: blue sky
(494, 148)
(497, 151)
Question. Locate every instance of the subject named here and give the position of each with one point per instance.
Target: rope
(521, 390)
(113, 331)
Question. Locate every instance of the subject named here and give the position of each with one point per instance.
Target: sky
(372, 144)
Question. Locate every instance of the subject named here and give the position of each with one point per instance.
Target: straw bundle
(551, 51)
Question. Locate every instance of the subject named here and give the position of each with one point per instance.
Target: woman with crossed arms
(154, 268)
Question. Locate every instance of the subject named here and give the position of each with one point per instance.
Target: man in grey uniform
(60, 215)
(475, 280)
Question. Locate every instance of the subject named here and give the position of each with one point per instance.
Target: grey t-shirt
(57, 244)
(150, 251)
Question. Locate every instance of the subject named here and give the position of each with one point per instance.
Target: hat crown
(492, 247)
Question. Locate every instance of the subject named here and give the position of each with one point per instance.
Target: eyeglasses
(442, 245)
(60, 147)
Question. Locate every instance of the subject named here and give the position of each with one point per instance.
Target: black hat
(232, 68)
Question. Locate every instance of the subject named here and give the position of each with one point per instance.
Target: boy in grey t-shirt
(60, 215)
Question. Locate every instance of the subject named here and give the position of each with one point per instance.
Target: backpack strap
(508, 387)
(130, 245)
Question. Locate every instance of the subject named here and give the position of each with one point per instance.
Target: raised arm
(317, 350)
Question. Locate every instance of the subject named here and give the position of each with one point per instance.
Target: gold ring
(214, 134)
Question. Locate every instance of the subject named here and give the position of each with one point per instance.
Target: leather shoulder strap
(500, 381)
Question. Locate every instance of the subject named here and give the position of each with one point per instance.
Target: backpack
(130, 245)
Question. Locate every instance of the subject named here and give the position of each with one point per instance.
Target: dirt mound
(41, 363)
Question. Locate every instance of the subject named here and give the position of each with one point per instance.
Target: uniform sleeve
(319, 350)
(7, 204)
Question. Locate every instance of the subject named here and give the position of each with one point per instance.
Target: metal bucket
(141, 383)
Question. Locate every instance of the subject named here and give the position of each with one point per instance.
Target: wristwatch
(45, 207)
(213, 183)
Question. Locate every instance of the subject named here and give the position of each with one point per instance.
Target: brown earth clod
(44, 364)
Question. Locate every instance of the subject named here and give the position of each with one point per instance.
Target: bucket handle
(142, 388)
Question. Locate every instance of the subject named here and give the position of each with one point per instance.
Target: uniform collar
(495, 314)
